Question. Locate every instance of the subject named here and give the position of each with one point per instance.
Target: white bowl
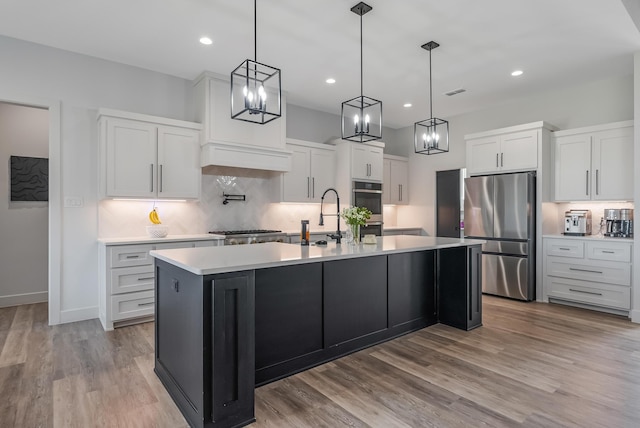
(157, 230)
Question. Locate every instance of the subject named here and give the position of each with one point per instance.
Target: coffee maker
(619, 222)
(577, 222)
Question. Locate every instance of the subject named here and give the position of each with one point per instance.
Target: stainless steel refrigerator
(501, 210)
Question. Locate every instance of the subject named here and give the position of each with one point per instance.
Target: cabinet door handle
(176, 285)
(608, 252)
(308, 188)
(586, 270)
(151, 181)
(400, 191)
(145, 304)
(313, 187)
(564, 249)
(501, 159)
(133, 257)
(160, 180)
(585, 292)
(587, 183)
(497, 164)
(146, 278)
(597, 183)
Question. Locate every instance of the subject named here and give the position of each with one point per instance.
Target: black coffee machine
(619, 222)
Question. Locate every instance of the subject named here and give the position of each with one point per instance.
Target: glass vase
(355, 232)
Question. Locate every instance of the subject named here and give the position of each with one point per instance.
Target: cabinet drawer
(129, 255)
(613, 273)
(174, 245)
(565, 248)
(611, 251)
(132, 305)
(613, 296)
(127, 280)
(215, 243)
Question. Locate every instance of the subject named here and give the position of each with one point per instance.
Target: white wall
(24, 131)
(82, 85)
(605, 101)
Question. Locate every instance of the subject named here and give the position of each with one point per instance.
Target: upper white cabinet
(148, 157)
(594, 163)
(503, 152)
(236, 143)
(313, 169)
(396, 180)
(366, 161)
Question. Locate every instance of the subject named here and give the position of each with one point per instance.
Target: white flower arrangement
(356, 215)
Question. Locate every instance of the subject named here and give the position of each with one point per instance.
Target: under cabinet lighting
(148, 200)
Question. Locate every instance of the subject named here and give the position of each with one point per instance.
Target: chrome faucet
(337, 236)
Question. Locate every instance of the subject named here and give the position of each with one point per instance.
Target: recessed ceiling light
(330, 81)
(407, 105)
(517, 73)
(205, 40)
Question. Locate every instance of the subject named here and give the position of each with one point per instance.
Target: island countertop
(214, 260)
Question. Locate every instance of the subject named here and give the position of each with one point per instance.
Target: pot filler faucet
(337, 236)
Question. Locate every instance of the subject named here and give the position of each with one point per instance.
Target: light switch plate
(73, 202)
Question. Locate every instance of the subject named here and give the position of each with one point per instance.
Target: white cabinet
(236, 143)
(396, 180)
(126, 280)
(589, 271)
(366, 162)
(513, 151)
(312, 171)
(594, 163)
(148, 157)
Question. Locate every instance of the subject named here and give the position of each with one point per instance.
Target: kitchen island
(229, 319)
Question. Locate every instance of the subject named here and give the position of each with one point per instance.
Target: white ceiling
(557, 43)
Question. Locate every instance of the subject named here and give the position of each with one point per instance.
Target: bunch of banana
(153, 216)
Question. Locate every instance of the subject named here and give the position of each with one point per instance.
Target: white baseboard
(635, 316)
(73, 315)
(23, 299)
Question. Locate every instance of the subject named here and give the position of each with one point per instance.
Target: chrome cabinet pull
(585, 292)
(501, 159)
(146, 278)
(160, 181)
(151, 177)
(586, 270)
(313, 187)
(564, 249)
(145, 304)
(497, 165)
(587, 183)
(308, 188)
(133, 257)
(400, 191)
(608, 252)
(597, 183)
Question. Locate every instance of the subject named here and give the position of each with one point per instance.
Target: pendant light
(255, 87)
(361, 116)
(431, 136)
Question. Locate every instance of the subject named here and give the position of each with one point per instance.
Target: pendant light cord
(255, 31)
(430, 90)
(361, 62)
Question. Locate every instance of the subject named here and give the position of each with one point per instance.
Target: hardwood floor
(530, 365)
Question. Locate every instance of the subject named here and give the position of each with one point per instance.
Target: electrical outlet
(73, 202)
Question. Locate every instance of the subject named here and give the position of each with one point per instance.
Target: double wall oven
(369, 195)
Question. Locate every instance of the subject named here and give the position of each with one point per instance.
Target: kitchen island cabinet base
(220, 335)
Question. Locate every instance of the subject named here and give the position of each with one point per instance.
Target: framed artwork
(29, 179)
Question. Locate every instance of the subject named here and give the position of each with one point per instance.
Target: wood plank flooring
(530, 365)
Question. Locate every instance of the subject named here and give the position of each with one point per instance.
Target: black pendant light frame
(425, 130)
(264, 83)
(356, 110)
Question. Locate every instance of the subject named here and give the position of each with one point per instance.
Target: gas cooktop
(244, 232)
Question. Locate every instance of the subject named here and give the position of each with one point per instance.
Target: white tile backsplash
(120, 218)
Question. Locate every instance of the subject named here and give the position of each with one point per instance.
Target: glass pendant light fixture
(361, 116)
(255, 87)
(431, 136)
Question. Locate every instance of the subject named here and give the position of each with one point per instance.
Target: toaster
(577, 222)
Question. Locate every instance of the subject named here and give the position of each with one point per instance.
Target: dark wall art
(29, 178)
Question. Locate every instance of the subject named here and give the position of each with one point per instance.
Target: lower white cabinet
(127, 279)
(589, 271)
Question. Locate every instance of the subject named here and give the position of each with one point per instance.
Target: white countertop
(168, 238)
(212, 260)
(589, 237)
